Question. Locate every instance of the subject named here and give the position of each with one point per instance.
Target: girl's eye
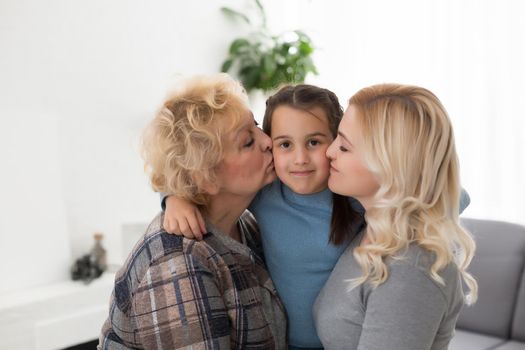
(249, 143)
(313, 143)
(285, 145)
(343, 149)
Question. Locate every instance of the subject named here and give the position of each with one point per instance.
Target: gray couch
(497, 320)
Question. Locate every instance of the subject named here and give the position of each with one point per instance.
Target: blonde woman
(175, 293)
(398, 286)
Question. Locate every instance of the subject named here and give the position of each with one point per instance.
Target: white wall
(34, 241)
(79, 80)
(470, 53)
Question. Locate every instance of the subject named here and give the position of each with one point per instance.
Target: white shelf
(54, 316)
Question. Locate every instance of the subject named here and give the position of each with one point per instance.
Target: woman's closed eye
(249, 143)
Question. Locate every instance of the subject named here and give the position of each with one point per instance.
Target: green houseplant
(264, 61)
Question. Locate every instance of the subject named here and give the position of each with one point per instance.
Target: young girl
(398, 286)
(304, 227)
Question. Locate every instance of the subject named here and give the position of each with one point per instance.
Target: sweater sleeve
(178, 304)
(403, 313)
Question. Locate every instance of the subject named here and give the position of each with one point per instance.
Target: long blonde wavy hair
(408, 144)
(184, 142)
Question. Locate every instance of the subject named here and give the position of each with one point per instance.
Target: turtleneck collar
(319, 200)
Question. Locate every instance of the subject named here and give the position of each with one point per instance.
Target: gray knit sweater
(410, 311)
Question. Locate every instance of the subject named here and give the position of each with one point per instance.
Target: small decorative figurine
(91, 265)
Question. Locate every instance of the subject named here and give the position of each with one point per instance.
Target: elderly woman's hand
(182, 217)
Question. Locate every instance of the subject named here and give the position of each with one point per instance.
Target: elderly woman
(398, 285)
(174, 293)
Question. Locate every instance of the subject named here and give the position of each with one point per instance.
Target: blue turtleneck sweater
(295, 230)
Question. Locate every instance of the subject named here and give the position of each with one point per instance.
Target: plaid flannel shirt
(175, 293)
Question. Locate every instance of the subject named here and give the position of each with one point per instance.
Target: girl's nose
(301, 156)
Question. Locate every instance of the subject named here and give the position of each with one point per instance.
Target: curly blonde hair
(184, 142)
(408, 144)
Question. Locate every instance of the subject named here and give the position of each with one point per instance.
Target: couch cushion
(497, 266)
(518, 324)
(511, 345)
(464, 340)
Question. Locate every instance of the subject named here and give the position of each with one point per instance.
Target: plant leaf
(226, 65)
(237, 44)
(264, 61)
(262, 12)
(305, 48)
(251, 77)
(259, 5)
(269, 65)
(235, 14)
